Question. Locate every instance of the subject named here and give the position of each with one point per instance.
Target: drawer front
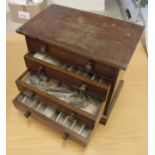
(52, 116)
(89, 116)
(71, 58)
(96, 88)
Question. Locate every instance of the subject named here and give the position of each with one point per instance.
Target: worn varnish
(104, 39)
(74, 57)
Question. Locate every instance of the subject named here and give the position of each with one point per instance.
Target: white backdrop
(92, 5)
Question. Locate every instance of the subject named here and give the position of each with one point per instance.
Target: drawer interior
(69, 95)
(67, 123)
(71, 58)
(70, 68)
(68, 74)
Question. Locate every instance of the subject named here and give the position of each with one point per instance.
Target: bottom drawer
(71, 127)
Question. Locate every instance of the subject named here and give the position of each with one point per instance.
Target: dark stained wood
(93, 87)
(99, 38)
(90, 119)
(71, 58)
(111, 91)
(93, 43)
(107, 112)
(51, 123)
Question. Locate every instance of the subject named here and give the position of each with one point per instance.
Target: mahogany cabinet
(74, 65)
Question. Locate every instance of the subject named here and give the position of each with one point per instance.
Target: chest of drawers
(74, 65)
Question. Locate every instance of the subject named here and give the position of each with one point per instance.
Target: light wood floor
(124, 134)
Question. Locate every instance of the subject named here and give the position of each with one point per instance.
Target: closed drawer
(68, 74)
(69, 57)
(70, 126)
(83, 105)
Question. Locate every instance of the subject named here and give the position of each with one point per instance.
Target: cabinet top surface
(100, 38)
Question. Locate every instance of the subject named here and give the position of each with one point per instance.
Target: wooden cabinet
(74, 64)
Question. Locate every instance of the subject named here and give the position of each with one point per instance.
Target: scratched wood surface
(124, 134)
(101, 38)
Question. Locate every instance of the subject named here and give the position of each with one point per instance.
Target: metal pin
(73, 124)
(58, 116)
(65, 121)
(81, 129)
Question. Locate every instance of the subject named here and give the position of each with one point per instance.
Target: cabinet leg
(112, 103)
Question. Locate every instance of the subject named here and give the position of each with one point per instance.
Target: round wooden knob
(44, 48)
(83, 88)
(65, 136)
(89, 66)
(27, 114)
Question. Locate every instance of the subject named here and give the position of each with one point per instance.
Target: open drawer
(78, 103)
(71, 127)
(86, 63)
(67, 73)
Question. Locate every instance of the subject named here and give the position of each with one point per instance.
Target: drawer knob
(44, 48)
(83, 88)
(89, 66)
(65, 136)
(27, 114)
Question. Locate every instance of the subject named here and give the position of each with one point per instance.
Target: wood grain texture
(100, 38)
(124, 134)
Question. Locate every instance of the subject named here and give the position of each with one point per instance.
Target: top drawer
(63, 55)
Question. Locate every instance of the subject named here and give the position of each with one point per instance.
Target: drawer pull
(27, 114)
(89, 66)
(44, 48)
(65, 136)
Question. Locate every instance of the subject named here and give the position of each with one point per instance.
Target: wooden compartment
(66, 73)
(61, 40)
(75, 128)
(82, 104)
(71, 58)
